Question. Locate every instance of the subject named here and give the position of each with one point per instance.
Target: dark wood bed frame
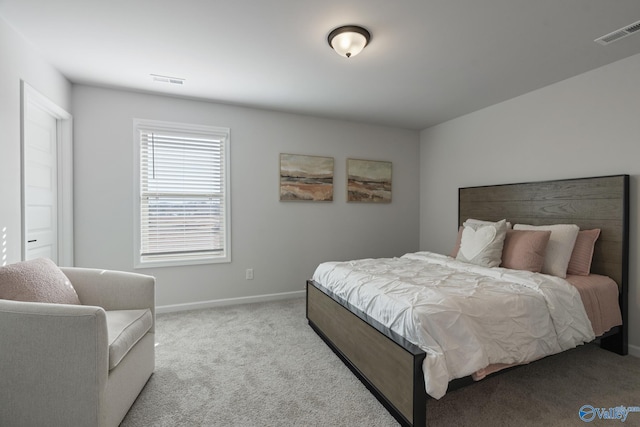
(391, 367)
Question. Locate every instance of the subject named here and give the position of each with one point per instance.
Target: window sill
(181, 262)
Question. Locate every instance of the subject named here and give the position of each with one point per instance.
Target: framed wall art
(368, 181)
(306, 178)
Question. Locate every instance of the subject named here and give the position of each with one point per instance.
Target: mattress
(465, 317)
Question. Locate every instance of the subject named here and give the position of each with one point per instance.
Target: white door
(40, 151)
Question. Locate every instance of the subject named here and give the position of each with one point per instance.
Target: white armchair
(78, 365)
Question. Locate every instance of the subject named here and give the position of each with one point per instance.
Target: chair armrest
(47, 348)
(113, 290)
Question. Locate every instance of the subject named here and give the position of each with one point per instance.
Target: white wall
(588, 125)
(281, 241)
(19, 61)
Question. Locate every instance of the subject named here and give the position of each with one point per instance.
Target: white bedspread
(464, 316)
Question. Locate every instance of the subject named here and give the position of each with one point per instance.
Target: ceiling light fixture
(349, 40)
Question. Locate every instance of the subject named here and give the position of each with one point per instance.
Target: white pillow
(560, 246)
(473, 221)
(482, 244)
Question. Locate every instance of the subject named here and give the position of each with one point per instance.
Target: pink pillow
(37, 280)
(456, 248)
(580, 261)
(525, 250)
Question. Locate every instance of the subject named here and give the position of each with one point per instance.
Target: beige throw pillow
(37, 280)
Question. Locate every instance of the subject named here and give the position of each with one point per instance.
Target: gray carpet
(262, 365)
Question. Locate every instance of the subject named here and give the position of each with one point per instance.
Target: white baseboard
(229, 301)
(634, 350)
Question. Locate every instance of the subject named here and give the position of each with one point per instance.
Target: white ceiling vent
(167, 79)
(618, 34)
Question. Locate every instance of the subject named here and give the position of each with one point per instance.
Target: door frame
(64, 131)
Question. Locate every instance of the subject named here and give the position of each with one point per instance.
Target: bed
(392, 366)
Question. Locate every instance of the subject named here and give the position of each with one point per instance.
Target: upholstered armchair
(78, 365)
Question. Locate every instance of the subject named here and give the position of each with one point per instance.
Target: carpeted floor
(262, 365)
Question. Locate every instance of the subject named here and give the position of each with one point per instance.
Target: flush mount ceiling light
(349, 40)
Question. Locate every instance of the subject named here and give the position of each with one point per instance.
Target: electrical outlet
(249, 274)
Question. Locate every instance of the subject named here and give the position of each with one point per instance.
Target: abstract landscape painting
(306, 178)
(368, 181)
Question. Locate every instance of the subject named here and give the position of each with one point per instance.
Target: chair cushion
(125, 328)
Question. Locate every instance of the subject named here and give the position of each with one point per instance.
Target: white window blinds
(183, 197)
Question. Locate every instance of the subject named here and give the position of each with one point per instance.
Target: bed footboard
(388, 365)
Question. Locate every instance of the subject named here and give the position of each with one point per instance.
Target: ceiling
(428, 61)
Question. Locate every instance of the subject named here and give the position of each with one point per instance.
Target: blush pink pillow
(456, 248)
(525, 250)
(37, 280)
(582, 255)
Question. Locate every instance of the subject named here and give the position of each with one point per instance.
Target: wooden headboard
(599, 202)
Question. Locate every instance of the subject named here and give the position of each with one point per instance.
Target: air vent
(618, 34)
(167, 79)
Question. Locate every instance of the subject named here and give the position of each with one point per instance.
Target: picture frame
(369, 181)
(306, 178)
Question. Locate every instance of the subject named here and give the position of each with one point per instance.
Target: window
(182, 208)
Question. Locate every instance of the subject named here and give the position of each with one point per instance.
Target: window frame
(222, 133)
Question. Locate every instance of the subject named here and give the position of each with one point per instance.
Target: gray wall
(19, 61)
(588, 125)
(282, 241)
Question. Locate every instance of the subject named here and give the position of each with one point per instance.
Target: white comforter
(464, 316)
